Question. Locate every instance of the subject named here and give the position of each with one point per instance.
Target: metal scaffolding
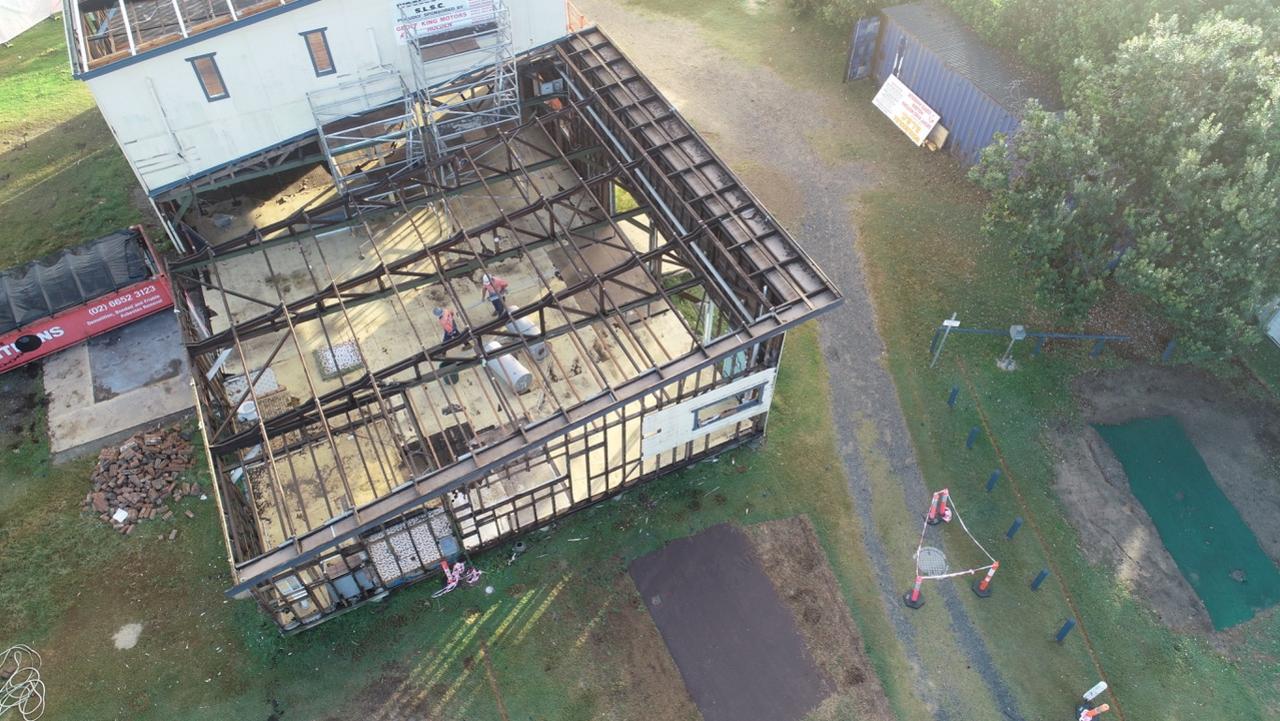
(466, 77)
(675, 302)
(369, 129)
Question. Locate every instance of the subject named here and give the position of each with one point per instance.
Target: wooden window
(318, 48)
(210, 77)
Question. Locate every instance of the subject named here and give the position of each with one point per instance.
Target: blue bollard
(951, 399)
(1066, 628)
(972, 439)
(1167, 355)
(991, 482)
(1017, 523)
(1035, 585)
(1097, 349)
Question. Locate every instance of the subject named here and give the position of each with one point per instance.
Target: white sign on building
(906, 109)
(419, 18)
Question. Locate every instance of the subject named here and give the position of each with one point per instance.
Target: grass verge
(62, 179)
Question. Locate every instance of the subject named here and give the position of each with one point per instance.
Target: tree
(1056, 201)
(1175, 145)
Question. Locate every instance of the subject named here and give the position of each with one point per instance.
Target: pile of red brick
(136, 480)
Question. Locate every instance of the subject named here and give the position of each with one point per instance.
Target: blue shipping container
(976, 91)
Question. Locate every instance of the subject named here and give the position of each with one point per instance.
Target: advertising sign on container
(906, 110)
(419, 18)
(82, 322)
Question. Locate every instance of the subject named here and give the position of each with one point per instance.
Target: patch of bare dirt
(20, 400)
(797, 566)
(1239, 438)
(635, 651)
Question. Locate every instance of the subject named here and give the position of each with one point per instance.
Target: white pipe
(511, 371)
(79, 24)
(128, 31)
(522, 326)
(182, 25)
(232, 8)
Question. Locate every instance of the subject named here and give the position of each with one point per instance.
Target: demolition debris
(137, 480)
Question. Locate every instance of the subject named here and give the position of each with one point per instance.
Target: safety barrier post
(1017, 523)
(1091, 713)
(951, 399)
(982, 588)
(1039, 579)
(913, 598)
(973, 438)
(938, 511)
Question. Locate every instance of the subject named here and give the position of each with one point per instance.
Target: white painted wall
(168, 130)
(675, 425)
(16, 16)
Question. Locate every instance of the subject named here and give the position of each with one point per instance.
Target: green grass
(63, 181)
(70, 583)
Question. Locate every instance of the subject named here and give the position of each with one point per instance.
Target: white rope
(22, 688)
(969, 572)
(956, 511)
(924, 528)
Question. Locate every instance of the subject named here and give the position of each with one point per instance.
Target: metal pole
(177, 11)
(947, 326)
(84, 47)
(128, 31)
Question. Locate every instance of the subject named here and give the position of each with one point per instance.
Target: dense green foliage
(837, 13)
(1166, 168)
(1050, 35)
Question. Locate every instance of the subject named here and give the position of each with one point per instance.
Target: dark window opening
(318, 48)
(727, 407)
(210, 77)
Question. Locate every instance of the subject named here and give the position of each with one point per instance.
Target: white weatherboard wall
(675, 425)
(170, 132)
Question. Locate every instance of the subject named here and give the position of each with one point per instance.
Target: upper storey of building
(190, 87)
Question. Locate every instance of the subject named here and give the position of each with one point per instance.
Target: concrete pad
(114, 384)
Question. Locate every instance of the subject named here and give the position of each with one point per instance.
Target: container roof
(945, 34)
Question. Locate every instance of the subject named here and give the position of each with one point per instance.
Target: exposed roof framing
(534, 190)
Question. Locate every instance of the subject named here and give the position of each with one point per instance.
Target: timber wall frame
(608, 126)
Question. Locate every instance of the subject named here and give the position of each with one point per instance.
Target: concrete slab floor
(140, 354)
(116, 383)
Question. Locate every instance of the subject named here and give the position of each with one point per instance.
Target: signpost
(906, 110)
(79, 323)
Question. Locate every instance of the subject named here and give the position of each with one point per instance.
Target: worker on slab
(448, 324)
(494, 290)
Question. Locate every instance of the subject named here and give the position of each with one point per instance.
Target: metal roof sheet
(943, 32)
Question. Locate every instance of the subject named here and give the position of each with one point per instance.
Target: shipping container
(976, 91)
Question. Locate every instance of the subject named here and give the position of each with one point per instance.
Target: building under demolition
(370, 409)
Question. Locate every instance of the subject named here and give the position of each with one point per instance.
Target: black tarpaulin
(72, 277)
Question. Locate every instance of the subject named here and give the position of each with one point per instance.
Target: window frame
(324, 37)
(729, 413)
(195, 67)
